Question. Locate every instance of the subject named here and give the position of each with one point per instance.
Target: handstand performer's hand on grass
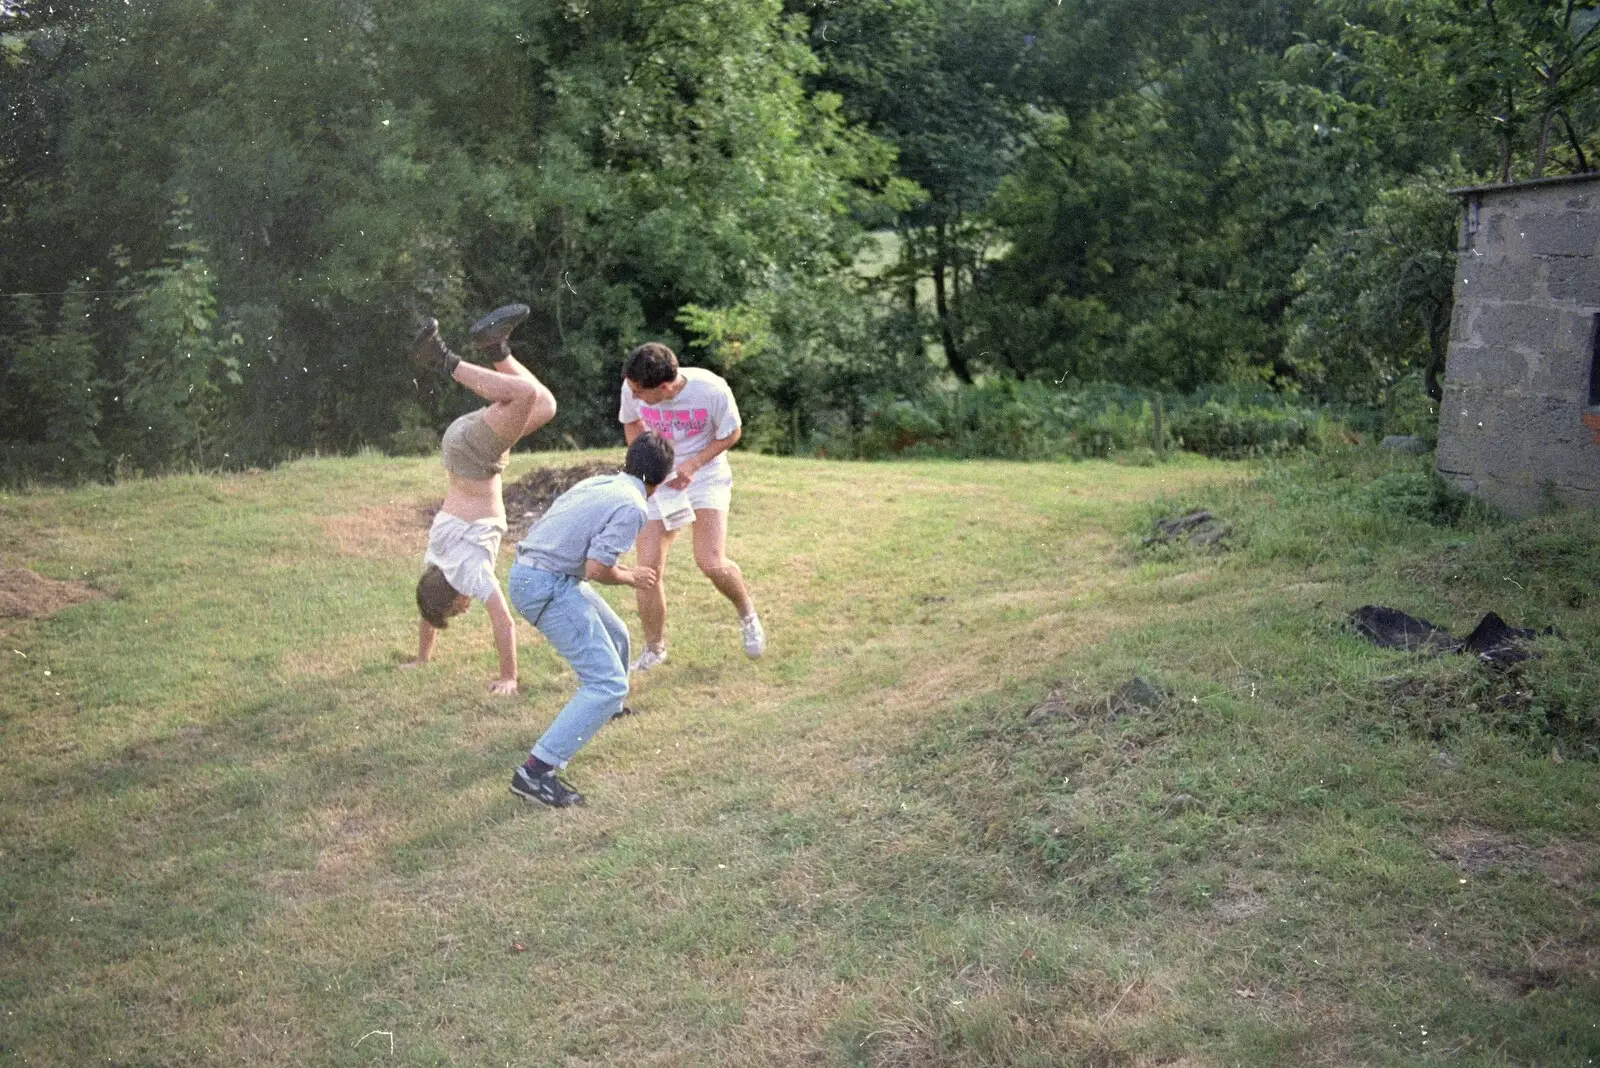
(458, 567)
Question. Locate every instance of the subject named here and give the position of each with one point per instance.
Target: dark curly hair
(651, 364)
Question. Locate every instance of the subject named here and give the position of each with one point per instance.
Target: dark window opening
(1594, 368)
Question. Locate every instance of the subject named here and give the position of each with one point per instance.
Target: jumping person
(458, 566)
(694, 409)
(580, 538)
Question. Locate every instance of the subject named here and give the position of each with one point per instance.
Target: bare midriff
(472, 499)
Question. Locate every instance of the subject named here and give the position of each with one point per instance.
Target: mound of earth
(25, 595)
(528, 497)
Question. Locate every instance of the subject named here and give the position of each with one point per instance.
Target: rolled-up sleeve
(727, 420)
(616, 536)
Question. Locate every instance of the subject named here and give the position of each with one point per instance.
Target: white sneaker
(755, 639)
(651, 657)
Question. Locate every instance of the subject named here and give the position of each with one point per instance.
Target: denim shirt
(598, 519)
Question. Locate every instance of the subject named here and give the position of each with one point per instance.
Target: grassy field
(916, 833)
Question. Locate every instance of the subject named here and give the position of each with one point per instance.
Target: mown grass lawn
(233, 831)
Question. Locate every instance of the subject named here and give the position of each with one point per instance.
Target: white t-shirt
(465, 552)
(703, 411)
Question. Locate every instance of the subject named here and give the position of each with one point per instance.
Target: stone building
(1519, 425)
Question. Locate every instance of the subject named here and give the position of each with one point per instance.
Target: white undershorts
(710, 488)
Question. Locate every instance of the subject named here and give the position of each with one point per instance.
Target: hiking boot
(547, 789)
(651, 657)
(429, 353)
(755, 639)
(494, 329)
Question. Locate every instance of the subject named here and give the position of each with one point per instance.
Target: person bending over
(578, 541)
(694, 409)
(458, 566)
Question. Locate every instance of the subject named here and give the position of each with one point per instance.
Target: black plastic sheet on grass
(1492, 641)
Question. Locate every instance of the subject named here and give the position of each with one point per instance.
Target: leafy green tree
(1374, 302)
(939, 80)
(1523, 75)
(51, 400)
(176, 365)
(1152, 236)
(809, 354)
(350, 168)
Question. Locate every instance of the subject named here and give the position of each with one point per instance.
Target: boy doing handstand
(458, 567)
(580, 538)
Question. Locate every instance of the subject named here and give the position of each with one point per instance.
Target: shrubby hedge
(1033, 420)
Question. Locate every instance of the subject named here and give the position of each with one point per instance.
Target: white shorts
(710, 488)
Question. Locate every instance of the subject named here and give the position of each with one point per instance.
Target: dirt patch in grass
(1553, 963)
(529, 496)
(394, 529)
(382, 533)
(350, 839)
(25, 595)
(1239, 900)
(1132, 698)
(1477, 849)
(399, 529)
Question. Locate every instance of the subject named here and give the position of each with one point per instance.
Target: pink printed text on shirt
(675, 424)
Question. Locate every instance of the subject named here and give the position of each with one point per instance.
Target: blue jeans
(589, 636)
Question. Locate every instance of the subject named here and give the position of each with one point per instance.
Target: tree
(347, 167)
(1153, 235)
(937, 79)
(1517, 75)
(1374, 303)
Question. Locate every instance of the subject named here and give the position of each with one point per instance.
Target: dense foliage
(221, 219)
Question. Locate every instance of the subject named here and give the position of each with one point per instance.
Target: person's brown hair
(435, 597)
(650, 365)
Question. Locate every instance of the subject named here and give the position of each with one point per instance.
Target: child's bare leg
(521, 415)
(519, 402)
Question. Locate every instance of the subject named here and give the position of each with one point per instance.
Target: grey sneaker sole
(494, 328)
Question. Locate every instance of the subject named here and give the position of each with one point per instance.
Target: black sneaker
(429, 353)
(547, 789)
(625, 710)
(493, 330)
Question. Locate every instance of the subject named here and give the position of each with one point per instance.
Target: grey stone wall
(1516, 426)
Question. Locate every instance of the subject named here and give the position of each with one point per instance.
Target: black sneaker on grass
(547, 789)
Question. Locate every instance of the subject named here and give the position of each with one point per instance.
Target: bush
(1419, 495)
(1213, 429)
(1035, 420)
(1007, 419)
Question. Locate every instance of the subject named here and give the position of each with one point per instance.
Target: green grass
(231, 830)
